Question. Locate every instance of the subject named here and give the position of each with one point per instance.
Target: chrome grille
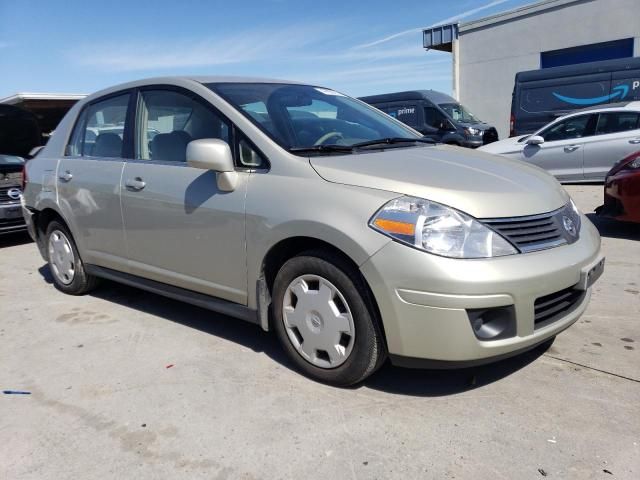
(552, 307)
(10, 225)
(490, 135)
(537, 232)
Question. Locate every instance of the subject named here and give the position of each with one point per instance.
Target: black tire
(82, 282)
(368, 352)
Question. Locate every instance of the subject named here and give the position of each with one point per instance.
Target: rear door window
(615, 122)
(574, 127)
(99, 130)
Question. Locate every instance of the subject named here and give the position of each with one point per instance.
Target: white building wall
(489, 56)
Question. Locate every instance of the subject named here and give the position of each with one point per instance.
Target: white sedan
(581, 146)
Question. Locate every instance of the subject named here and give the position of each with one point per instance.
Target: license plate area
(11, 212)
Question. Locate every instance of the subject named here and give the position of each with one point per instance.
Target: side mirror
(214, 154)
(534, 140)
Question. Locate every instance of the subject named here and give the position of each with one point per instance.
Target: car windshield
(11, 160)
(303, 117)
(458, 113)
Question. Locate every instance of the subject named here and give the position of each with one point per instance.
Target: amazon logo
(617, 93)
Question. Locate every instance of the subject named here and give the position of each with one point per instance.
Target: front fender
(333, 213)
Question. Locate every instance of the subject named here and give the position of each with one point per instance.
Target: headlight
(472, 131)
(574, 214)
(633, 164)
(438, 229)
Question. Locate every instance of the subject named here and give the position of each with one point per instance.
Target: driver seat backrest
(107, 145)
(170, 147)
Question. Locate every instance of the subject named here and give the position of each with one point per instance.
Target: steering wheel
(327, 136)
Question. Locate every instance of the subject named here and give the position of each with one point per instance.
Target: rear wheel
(65, 264)
(324, 320)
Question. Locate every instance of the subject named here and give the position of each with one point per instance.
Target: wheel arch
(291, 247)
(41, 220)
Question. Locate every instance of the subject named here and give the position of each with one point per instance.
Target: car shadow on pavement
(14, 239)
(438, 383)
(611, 228)
(46, 274)
(390, 379)
(243, 333)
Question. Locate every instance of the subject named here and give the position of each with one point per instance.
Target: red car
(622, 190)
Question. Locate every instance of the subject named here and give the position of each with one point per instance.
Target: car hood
(478, 125)
(506, 146)
(480, 184)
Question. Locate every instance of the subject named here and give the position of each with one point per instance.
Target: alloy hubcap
(318, 321)
(61, 257)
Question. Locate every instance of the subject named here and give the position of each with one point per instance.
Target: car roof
(185, 81)
(432, 95)
(238, 79)
(631, 105)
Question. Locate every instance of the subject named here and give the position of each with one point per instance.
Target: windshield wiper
(351, 148)
(322, 148)
(391, 141)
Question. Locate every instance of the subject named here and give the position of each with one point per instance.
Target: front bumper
(425, 300)
(472, 142)
(11, 218)
(621, 197)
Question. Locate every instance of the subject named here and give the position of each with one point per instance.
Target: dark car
(622, 191)
(437, 116)
(11, 219)
(19, 131)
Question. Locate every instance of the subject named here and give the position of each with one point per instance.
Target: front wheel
(324, 320)
(65, 264)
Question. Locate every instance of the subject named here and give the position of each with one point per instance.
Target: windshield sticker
(326, 91)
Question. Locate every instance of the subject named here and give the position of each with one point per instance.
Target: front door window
(169, 120)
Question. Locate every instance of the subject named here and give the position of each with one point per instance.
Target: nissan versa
(313, 214)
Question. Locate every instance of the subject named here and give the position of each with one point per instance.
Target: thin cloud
(4, 44)
(234, 49)
(393, 69)
(460, 16)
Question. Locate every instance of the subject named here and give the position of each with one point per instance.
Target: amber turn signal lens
(393, 226)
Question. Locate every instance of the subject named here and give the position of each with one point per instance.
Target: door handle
(136, 184)
(571, 148)
(66, 176)
(635, 141)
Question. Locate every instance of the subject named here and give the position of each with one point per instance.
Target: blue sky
(359, 48)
